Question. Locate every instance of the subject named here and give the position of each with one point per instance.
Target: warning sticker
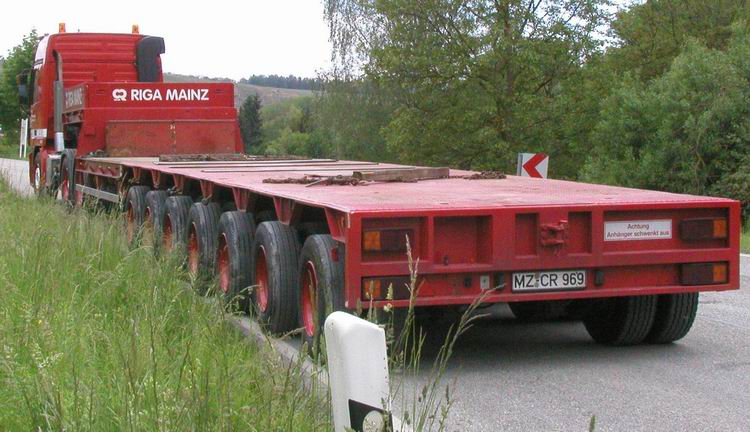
(638, 230)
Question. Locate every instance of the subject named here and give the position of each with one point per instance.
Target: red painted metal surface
(106, 108)
(309, 297)
(86, 57)
(223, 264)
(465, 229)
(150, 119)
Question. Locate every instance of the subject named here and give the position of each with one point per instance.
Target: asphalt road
(508, 376)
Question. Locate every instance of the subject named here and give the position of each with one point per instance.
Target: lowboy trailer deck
(309, 236)
(519, 239)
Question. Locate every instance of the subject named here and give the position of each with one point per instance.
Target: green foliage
(474, 81)
(251, 123)
(96, 337)
(287, 82)
(353, 114)
(653, 33)
(19, 58)
(686, 131)
(290, 129)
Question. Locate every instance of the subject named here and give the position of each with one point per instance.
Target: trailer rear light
(386, 240)
(704, 274)
(704, 229)
(378, 288)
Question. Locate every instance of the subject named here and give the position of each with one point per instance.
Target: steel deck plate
(441, 194)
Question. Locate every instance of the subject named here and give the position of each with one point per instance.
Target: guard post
(358, 374)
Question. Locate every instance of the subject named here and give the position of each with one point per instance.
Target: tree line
(287, 82)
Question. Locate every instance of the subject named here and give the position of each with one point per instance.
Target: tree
(650, 35)
(686, 131)
(19, 58)
(353, 114)
(290, 128)
(251, 124)
(475, 81)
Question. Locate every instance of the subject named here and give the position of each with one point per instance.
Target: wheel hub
(261, 278)
(223, 259)
(193, 253)
(309, 298)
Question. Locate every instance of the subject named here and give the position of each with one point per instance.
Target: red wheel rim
(193, 254)
(64, 186)
(130, 217)
(223, 259)
(167, 234)
(309, 298)
(261, 279)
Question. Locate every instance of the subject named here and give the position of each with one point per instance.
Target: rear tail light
(704, 229)
(704, 274)
(378, 288)
(386, 240)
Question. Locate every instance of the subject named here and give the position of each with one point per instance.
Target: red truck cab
(105, 93)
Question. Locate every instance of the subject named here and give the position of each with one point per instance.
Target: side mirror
(22, 80)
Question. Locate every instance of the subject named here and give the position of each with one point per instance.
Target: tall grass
(8, 152)
(419, 392)
(96, 337)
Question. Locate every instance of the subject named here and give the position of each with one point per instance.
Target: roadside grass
(745, 241)
(94, 337)
(8, 151)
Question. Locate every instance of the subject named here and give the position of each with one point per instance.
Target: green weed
(94, 336)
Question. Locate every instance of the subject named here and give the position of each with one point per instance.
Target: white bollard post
(23, 145)
(358, 374)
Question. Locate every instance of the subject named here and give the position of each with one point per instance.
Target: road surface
(508, 376)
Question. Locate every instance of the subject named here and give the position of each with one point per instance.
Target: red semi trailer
(316, 235)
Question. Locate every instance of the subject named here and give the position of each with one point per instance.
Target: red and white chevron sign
(532, 165)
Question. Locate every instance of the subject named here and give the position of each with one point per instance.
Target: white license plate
(549, 280)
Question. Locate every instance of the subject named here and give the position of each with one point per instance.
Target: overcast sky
(216, 38)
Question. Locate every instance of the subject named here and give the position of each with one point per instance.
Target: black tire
(135, 213)
(203, 235)
(234, 260)
(68, 178)
(276, 257)
(538, 310)
(175, 224)
(265, 216)
(156, 206)
(675, 314)
(321, 288)
(307, 229)
(621, 321)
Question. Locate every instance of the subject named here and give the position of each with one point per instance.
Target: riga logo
(119, 95)
(147, 94)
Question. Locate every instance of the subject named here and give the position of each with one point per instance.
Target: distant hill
(268, 95)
